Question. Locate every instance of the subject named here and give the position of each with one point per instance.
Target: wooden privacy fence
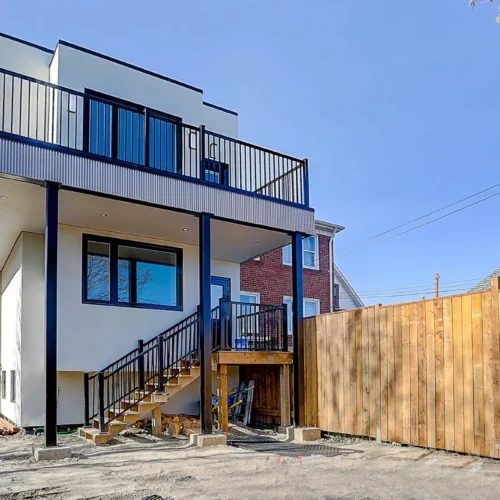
(425, 373)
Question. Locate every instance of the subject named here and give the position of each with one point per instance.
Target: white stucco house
(127, 203)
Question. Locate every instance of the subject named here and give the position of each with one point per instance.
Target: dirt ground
(137, 466)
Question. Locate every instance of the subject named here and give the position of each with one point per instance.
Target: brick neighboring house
(268, 279)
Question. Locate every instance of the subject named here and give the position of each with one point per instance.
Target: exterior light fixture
(3, 197)
(256, 242)
(185, 229)
(103, 214)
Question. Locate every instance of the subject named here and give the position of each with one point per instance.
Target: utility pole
(436, 285)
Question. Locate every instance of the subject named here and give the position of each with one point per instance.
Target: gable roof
(339, 277)
(485, 283)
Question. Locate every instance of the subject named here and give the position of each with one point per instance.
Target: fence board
(351, 429)
(439, 371)
(405, 360)
(366, 373)
(468, 374)
(477, 372)
(413, 376)
(383, 373)
(359, 373)
(458, 373)
(425, 373)
(391, 399)
(449, 399)
(422, 375)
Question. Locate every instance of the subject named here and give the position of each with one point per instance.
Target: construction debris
(7, 428)
(180, 424)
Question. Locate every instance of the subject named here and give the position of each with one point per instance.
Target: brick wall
(273, 280)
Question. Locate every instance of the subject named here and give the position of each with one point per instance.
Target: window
(249, 322)
(123, 273)
(311, 308)
(250, 297)
(310, 253)
(4, 384)
(164, 144)
(336, 295)
(12, 386)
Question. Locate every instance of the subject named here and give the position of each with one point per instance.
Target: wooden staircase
(129, 411)
(140, 382)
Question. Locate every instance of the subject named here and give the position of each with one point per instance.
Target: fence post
(161, 364)
(284, 333)
(100, 378)
(140, 364)
(85, 399)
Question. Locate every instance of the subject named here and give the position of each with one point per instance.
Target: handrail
(93, 124)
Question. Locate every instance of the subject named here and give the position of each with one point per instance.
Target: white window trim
(251, 294)
(316, 256)
(318, 303)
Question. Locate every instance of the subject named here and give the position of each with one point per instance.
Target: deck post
(51, 232)
(285, 395)
(297, 325)
(205, 325)
(223, 407)
(86, 412)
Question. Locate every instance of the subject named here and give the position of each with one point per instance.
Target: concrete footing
(303, 434)
(204, 440)
(52, 453)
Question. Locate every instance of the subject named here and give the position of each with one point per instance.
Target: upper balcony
(100, 127)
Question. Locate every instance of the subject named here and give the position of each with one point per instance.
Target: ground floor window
(311, 308)
(4, 384)
(125, 273)
(12, 386)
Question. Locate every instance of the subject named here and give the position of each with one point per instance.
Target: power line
(416, 287)
(421, 217)
(424, 224)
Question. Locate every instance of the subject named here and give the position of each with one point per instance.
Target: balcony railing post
(306, 183)
(100, 379)
(202, 152)
(223, 326)
(86, 125)
(85, 399)
(140, 364)
(284, 333)
(161, 364)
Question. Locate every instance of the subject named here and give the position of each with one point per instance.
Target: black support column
(205, 325)
(51, 228)
(297, 325)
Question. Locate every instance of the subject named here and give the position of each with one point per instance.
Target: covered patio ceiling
(22, 208)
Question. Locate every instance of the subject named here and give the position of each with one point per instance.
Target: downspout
(330, 265)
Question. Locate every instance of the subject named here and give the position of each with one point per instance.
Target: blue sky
(394, 104)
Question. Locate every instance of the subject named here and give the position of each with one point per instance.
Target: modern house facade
(268, 278)
(127, 206)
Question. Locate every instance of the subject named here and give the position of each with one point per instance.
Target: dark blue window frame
(128, 132)
(114, 299)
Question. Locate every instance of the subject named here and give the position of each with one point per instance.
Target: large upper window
(131, 274)
(310, 250)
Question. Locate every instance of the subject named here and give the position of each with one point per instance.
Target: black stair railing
(126, 382)
(123, 384)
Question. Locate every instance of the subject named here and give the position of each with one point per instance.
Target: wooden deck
(252, 358)
(220, 362)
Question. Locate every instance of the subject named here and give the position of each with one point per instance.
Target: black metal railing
(101, 126)
(128, 381)
(250, 327)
